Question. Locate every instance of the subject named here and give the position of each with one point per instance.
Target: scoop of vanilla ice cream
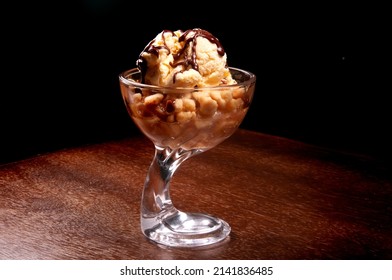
(193, 58)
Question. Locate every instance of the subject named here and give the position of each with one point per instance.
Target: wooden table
(283, 199)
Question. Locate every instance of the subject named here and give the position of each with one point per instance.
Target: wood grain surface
(283, 199)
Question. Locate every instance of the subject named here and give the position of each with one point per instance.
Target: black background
(323, 71)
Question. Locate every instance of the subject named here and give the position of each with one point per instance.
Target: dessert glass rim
(125, 78)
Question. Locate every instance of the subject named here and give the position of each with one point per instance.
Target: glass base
(186, 229)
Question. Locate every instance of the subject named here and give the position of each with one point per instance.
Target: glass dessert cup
(181, 123)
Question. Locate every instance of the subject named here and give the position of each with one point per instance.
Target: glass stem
(156, 201)
(160, 220)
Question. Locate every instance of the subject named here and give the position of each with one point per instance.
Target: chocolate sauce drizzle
(182, 57)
